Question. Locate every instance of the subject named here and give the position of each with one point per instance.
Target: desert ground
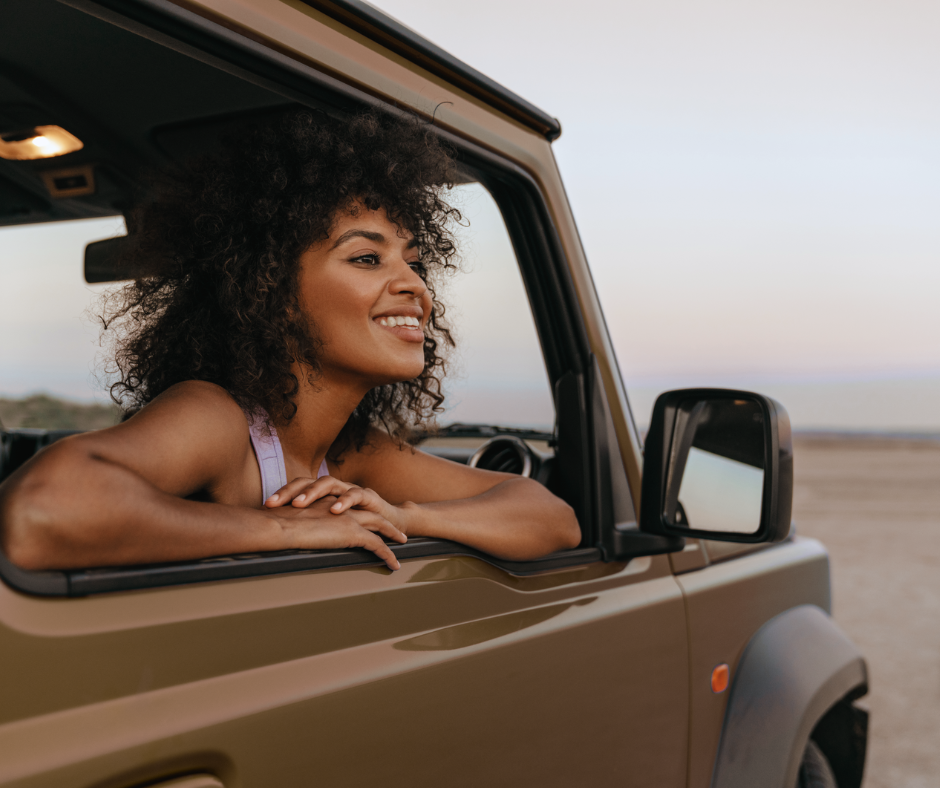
(875, 503)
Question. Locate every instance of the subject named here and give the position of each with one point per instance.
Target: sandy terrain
(875, 503)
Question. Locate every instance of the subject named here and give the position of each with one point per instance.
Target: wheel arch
(795, 672)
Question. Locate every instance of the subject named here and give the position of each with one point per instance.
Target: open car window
(519, 389)
(499, 411)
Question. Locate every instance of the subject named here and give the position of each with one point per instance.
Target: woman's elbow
(35, 511)
(23, 535)
(563, 531)
(569, 531)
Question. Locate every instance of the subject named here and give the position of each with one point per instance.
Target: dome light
(41, 142)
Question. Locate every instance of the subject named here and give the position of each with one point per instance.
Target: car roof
(378, 26)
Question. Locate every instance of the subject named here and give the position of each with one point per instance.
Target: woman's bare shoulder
(192, 434)
(199, 393)
(193, 406)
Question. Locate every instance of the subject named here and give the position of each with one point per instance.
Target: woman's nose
(407, 281)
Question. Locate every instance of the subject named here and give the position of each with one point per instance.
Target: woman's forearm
(71, 509)
(518, 519)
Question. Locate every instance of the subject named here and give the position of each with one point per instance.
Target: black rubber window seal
(86, 582)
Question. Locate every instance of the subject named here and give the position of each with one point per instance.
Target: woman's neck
(323, 408)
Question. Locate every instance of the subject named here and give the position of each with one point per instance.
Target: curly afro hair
(217, 249)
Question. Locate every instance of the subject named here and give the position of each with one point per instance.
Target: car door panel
(353, 674)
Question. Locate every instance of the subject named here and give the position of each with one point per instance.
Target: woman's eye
(417, 267)
(368, 259)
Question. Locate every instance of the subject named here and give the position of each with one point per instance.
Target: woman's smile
(405, 323)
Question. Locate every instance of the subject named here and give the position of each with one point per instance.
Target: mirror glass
(718, 454)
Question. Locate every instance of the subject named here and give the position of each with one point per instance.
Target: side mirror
(718, 465)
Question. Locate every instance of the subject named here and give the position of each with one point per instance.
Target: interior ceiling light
(41, 142)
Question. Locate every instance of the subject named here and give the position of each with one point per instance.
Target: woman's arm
(502, 514)
(114, 497)
(517, 519)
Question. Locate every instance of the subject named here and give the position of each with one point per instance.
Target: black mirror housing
(747, 432)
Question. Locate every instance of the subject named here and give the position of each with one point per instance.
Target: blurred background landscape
(40, 411)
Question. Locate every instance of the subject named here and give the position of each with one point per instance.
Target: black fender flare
(793, 670)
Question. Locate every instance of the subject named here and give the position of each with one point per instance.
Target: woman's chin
(400, 373)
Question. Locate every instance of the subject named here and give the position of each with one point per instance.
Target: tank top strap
(270, 455)
(268, 451)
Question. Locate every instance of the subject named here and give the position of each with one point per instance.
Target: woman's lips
(409, 333)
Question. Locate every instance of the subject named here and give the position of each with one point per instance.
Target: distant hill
(45, 412)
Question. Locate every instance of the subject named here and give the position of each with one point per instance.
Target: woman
(283, 339)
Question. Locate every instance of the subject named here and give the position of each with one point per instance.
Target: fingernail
(274, 497)
(300, 497)
(337, 505)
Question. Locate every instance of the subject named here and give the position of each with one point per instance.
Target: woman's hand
(302, 492)
(346, 515)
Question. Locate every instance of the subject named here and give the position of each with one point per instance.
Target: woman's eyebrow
(367, 234)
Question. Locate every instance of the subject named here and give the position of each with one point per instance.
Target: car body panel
(237, 669)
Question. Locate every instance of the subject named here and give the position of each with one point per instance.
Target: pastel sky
(757, 185)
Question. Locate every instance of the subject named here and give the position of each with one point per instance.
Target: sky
(757, 188)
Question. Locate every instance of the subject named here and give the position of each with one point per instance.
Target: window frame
(583, 434)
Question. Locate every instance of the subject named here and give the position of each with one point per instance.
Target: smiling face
(361, 291)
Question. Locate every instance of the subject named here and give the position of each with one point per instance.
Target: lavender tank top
(270, 455)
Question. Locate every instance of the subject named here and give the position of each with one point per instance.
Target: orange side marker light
(720, 677)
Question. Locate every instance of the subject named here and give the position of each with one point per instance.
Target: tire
(815, 771)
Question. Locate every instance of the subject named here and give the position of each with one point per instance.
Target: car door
(308, 668)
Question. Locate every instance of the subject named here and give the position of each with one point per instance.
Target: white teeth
(398, 320)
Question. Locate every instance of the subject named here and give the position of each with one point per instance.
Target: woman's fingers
(377, 524)
(303, 491)
(362, 497)
(382, 550)
(325, 485)
(326, 531)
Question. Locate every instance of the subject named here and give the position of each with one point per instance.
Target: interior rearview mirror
(718, 464)
(104, 263)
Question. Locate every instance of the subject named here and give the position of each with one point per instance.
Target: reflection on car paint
(464, 635)
(464, 568)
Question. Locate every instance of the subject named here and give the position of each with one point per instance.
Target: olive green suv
(686, 642)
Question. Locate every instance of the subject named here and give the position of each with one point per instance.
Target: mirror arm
(630, 542)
